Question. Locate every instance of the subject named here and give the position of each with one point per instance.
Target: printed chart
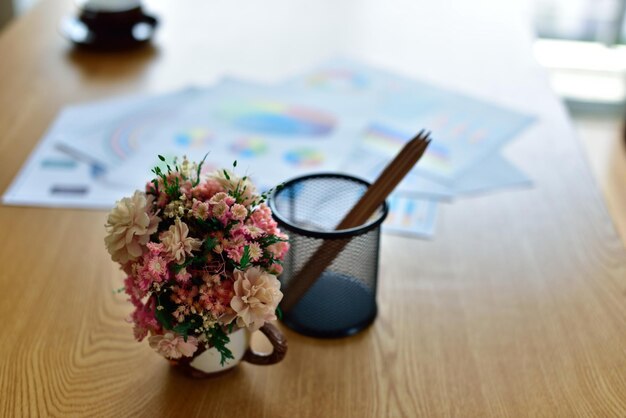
(342, 116)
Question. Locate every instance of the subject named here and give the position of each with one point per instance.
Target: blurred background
(582, 45)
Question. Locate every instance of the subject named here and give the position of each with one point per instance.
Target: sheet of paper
(273, 133)
(494, 172)
(411, 217)
(111, 132)
(54, 179)
(464, 129)
(342, 116)
(71, 164)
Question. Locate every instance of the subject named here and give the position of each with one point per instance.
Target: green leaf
(218, 338)
(183, 328)
(210, 243)
(195, 183)
(210, 224)
(162, 158)
(270, 239)
(189, 261)
(234, 163)
(245, 258)
(162, 315)
(226, 175)
(164, 318)
(279, 313)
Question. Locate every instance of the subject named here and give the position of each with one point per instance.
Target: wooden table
(517, 307)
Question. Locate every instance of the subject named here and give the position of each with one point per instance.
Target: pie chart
(279, 119)
(304, 157)
(249, 147)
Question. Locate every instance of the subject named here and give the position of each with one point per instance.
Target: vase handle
(278, 341)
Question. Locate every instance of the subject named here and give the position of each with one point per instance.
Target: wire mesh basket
(342, 301)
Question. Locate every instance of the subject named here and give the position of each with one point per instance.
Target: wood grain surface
(516, 308)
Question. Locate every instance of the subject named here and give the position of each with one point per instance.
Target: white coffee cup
(207, 362)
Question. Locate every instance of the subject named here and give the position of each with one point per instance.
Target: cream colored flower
(176, 242)
(129, 226)
(232, 182)
(257, 294)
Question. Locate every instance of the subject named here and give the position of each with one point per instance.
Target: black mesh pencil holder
(342, 300)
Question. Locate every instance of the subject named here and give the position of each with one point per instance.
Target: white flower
(176, 242)
(129, 226)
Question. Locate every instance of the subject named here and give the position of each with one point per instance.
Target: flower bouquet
(201, 255)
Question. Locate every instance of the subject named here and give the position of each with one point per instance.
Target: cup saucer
(105, 33)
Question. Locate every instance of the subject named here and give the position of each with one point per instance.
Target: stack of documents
(342, 116)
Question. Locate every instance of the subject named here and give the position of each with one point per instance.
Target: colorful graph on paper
(276, 118)
(249, 147)
(411, 216)
(193, 138)
(304, 157)
(465, 129)
(343, 116)
(388, 141)
(124, 138)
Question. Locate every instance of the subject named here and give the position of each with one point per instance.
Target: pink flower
(173, 346)
(257, 294)
(239, 230)
(155, 248)
(131, 289)
(218, 197)
(185, 188)
(279, 249)
(153, 267)
(182, 296)
(220, 209)
(229, 200)
(254, 231)
(162, 199)
(239, 212)
(276, 269)
(231, 183)
(183, 276)
(200, 209)
(157, 266)
(176, 242)
(255, 251)
(235, 253)
(207, 189)
(234, 247)
(215, 296)
(144, 319)
(262, 218)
